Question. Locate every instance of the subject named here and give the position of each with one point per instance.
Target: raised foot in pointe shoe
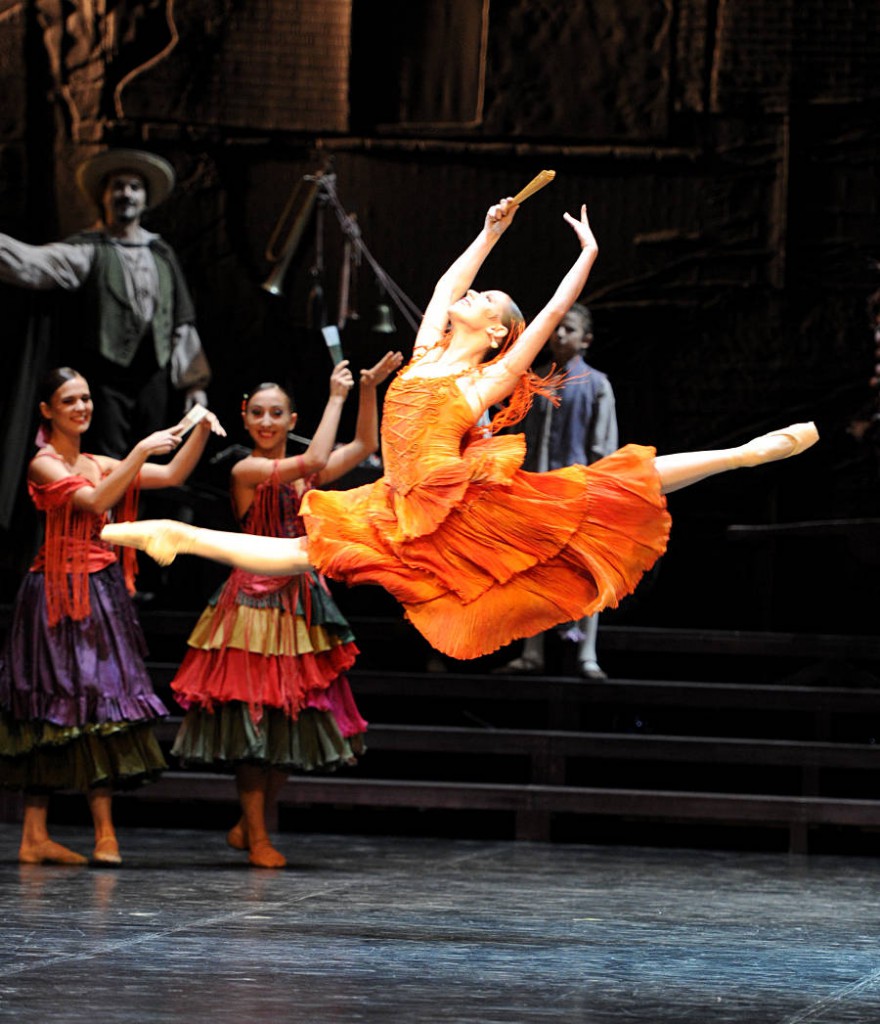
(779, 444)
(49, 852)
(162, 539)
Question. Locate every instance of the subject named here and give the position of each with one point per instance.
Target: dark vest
(113, 327)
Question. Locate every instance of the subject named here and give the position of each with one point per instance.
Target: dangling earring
(493, 343)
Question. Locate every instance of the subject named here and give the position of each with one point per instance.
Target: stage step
(544, 747)
(391, 643)
(772, 730)
(409, 686)
(531, 804)
(535, 774)
(540, 749)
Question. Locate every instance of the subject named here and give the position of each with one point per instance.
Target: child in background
(579, 426)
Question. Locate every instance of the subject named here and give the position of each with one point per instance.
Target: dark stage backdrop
(728, 153)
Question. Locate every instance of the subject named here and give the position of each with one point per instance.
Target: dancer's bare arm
(117, 474)
(175, 472)
(460, 275)
(366, 438)
(496, 381)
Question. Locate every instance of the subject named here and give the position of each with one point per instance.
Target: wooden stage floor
(417, 930)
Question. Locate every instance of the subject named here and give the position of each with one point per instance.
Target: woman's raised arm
(366, 437)
(172, 474)
(460, 275)
(497, 381)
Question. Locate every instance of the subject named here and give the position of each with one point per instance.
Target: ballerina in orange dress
(479, 552)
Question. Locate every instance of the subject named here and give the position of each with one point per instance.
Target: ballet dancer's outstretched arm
(455, 281)
(518, 360)
(494, 382)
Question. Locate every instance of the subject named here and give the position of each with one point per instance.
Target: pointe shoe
(237, 838)
(779, 444)
(162, 539)
(49, 852)
(106, 852)
(264, 855)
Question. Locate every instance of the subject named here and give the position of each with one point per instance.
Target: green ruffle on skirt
(41, 757)
(229, 736)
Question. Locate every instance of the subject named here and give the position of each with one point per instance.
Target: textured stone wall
(13, 116)
(261, 66)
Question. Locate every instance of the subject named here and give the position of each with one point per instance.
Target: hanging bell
(316, 312)
(384, 321)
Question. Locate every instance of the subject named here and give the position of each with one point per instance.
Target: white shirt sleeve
(189, 364)
(56, 265)
(604, 427)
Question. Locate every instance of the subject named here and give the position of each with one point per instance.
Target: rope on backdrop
(320, 191)
(351, 229)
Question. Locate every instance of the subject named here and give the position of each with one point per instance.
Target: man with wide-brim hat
(134, 336)
(157, 174)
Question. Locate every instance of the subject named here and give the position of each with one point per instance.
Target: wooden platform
(770, 740)
(558, 756)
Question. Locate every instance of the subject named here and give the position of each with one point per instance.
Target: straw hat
(155, 170)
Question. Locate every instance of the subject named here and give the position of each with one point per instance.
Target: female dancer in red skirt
(264, 681)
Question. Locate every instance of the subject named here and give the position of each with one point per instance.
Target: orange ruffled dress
(478, 551)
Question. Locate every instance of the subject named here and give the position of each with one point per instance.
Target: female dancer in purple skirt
(76, 703)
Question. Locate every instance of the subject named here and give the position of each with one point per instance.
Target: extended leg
(677, 471)
(164, 539)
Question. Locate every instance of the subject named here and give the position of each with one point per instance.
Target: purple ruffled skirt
(77, 694)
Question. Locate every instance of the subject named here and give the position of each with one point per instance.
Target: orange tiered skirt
(502, 558)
